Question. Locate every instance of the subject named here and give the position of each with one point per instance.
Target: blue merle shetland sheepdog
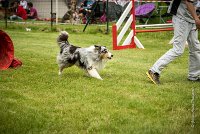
(91, 59)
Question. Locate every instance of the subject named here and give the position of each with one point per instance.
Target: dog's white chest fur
(91, 58)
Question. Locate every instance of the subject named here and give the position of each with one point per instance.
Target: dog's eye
(104, 51)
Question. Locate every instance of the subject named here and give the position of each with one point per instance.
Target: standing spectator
(20, 12)
(33, 12)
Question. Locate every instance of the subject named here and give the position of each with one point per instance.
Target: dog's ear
(97, 47)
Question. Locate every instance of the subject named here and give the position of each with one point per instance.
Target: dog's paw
(59, 73)
(100, 79)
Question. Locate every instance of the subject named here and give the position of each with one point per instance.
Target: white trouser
(15, 17)
(183, 31)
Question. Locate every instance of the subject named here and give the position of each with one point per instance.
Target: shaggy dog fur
(91, 59)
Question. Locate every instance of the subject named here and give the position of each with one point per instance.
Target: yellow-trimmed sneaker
(154, 77)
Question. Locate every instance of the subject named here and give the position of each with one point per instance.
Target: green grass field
(34, 99)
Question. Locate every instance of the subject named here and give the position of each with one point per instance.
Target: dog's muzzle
(110, 57)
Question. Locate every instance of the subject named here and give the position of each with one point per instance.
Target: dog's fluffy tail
(62, 38)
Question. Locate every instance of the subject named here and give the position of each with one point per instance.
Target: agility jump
(132, 41)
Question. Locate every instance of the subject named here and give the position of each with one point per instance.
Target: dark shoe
(154, 77)
(197, 80)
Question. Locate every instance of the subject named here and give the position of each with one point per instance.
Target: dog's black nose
(111, 55)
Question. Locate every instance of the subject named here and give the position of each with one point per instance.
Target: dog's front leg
(93, 73)
(60, 70)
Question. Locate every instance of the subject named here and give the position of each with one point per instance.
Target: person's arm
(191, 8)
(31, 14)
(25, 5)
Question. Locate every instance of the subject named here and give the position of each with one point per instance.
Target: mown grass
(34, 99)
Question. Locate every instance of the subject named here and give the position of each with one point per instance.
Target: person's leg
(194, 54)
(13, 17)
(19, 18)
(181, 32)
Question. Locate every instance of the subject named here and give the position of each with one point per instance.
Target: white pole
(154, 25)
(124, 29)
(124, 14)
(56, 12)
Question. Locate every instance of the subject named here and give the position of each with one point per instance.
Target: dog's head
(103, 52)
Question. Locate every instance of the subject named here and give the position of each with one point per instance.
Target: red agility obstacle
(7, 52)
(131, 40)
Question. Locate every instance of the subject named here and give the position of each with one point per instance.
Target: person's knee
(12, 17)
(176, 52)
(178, 48)
(179, 52)
(194, 48)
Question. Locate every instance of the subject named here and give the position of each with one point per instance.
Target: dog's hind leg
(93, 73)
(63, 66)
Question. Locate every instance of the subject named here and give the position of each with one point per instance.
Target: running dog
(91, 59)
